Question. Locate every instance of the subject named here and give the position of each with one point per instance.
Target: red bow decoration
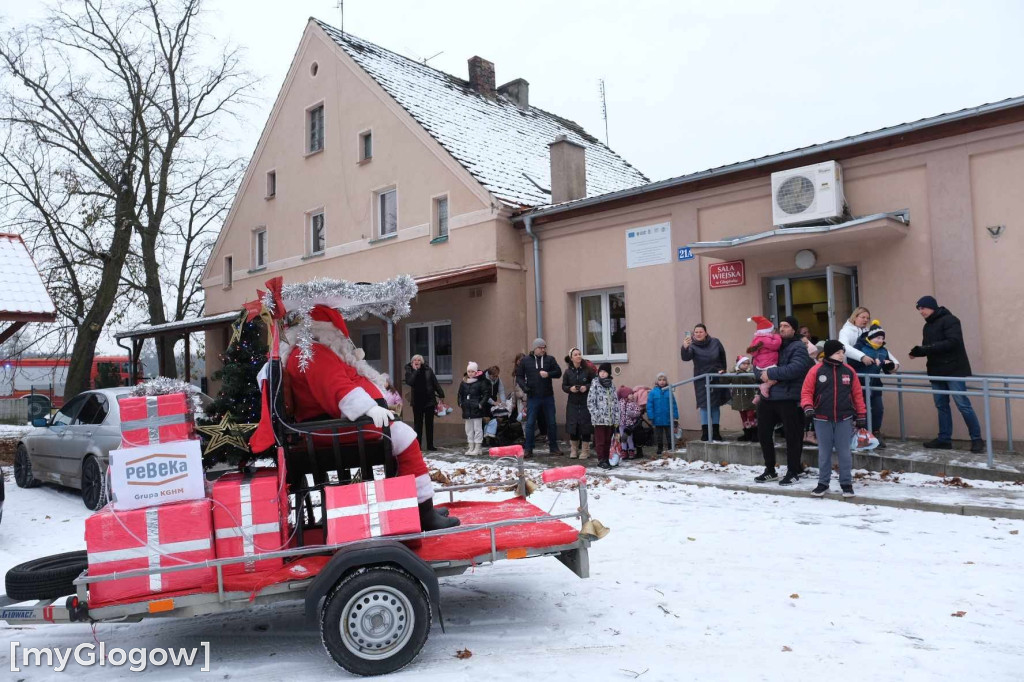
(274, 285)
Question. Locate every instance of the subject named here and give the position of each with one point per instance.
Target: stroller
(509, 431)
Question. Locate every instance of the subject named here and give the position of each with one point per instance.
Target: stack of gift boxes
(162, 515)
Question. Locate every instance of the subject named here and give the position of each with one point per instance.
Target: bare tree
(111, 162)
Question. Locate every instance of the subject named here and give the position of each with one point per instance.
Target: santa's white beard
(328, 335)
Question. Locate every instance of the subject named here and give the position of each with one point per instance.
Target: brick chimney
(481, 76)
(568, 170)
(518, 91)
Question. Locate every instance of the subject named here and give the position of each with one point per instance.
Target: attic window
(365, 146)
(313, 68)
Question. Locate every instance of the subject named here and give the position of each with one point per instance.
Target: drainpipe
(391, 351)
(539, 299)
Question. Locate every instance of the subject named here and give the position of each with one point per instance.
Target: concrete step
(899, 456)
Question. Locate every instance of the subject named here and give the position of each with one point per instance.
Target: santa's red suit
(337, 382)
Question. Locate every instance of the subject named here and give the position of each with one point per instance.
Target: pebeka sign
(728, 274)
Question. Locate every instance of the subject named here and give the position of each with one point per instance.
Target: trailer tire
(375, 620)
(47, 577)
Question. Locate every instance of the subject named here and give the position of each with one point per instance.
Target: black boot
(704, 433)
(431, 519)
(716, 434)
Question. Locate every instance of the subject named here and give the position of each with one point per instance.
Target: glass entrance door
(780, 301)
(842, 297)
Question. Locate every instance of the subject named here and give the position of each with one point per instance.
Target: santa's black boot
(430, 519)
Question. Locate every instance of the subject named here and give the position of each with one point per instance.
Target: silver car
(72, 447)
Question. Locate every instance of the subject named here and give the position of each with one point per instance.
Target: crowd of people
(811, 389)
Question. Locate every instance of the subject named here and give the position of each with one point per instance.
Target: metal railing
(988, 387)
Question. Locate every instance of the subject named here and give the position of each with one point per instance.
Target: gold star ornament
(226, 434)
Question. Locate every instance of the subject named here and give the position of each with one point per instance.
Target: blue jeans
(963, 403)
(838, 436)
(716, 412)
(533, 406)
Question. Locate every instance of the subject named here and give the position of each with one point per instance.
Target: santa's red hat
(764, 325)
(323, 313)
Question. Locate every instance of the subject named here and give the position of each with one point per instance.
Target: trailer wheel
(375, 621)
(48, 577)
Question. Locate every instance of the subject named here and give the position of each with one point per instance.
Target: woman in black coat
(426, 391)
(708, 356)
(575, 382)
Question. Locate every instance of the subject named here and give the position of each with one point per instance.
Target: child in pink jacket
(764, 349)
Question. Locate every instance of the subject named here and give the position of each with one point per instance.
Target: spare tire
(48, 577)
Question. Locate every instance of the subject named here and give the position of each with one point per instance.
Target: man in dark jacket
(943, 344)
(783, 405)
(534, 376)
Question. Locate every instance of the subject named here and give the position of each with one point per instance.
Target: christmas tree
(237, 404)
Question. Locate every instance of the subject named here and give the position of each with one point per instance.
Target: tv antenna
(340, 6)
(604, 109)
(427, 59)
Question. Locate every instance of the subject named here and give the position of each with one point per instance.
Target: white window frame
(606, 330)
(362, 157)
(310, 217)
(435, 216)
(271, 189)
(378, 213)
(308, 127)
(229, 271)
(431, 356)
(256, 232)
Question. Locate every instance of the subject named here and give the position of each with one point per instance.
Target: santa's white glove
(381, 416)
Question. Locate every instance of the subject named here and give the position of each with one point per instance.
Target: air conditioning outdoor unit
(812, 194)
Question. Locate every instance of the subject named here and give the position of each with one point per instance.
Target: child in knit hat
(473, 396)
(662, 410)
(629, 415)
(764, 350)
(604, 412)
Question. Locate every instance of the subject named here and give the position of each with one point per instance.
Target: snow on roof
(503, 146)
(22, 293)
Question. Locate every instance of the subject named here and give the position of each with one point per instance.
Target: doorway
(822, 301)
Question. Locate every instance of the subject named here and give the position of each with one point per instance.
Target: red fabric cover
(475, 544)
(183, 531)
(257, 513)
(371, 509)
(299, 569)
(137, 409)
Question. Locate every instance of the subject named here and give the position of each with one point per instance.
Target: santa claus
(330, 379)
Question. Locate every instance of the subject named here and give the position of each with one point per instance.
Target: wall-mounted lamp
(996, 231)
(805, 259)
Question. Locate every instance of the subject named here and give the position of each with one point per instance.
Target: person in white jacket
(851, 331)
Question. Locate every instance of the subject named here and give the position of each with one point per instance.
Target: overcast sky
(690, 85)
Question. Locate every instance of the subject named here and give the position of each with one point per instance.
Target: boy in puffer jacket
(662, 410)
(604, 412)
(831, 399)
(872, 344)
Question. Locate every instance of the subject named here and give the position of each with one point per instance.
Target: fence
(988, 387)
(14, 411)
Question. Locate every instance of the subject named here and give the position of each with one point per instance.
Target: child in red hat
(764, 349)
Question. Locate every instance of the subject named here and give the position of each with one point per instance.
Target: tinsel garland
(389, 299)
(167, 386)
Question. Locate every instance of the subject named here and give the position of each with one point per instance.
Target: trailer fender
(357, 556)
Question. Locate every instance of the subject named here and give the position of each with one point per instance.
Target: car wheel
(48, 577)
(94, 487)
(375, 621)
(23, 469)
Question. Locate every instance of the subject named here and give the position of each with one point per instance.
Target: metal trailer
(375, 599)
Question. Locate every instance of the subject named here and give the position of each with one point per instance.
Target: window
(433, 340)
(387, 213)
(317, 233)
(315, 129)
(94, 411)
(601, 324)
(229, 267)
(271, 184)
(66, 415)
(370, 343)
(365, 146)
(439, 217)
(259, 248)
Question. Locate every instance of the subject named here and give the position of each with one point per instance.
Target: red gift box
(150, 419)
(152, 537)
(247, 519)
(370, 509)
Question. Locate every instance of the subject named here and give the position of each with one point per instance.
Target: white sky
(691, 85)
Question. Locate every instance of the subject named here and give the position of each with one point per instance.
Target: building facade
(935, 207)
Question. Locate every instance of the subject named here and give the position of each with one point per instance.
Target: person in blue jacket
(872, 344)
(658, 401)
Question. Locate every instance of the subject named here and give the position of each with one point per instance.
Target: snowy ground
(692, 584)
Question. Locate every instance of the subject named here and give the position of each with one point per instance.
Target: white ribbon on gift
(152, 550)
(372, 508)
(247, 530)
